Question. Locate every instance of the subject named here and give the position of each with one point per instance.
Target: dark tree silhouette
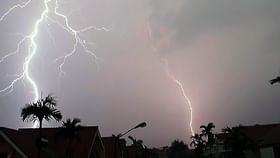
(70, 131)
(273, 81)
(135, 142)
(237, 141)
(43, 109)
(151, 153)
(207, 132)
(198, 143)
(178, 149)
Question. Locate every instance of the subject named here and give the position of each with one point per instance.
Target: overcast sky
(224, 52)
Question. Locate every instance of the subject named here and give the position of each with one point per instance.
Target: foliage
(44, 108)
(178, 149)
(199, 143)
(275, 80)
(135, 142)
(70, 131)
(70, 128)
(207, 132)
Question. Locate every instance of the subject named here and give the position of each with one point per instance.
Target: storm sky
(224, 52)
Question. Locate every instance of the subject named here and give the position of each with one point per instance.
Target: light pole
(140, 125)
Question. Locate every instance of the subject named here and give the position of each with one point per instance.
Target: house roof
(262, 135)
(18, 141)
(134, 152)
(81, 147)
(113, 146)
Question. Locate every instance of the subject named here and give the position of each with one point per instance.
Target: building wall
(267, 152)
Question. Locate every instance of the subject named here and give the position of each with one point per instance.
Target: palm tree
(274, 80)
(198, 143)
(207, 132)
(70, 131)
(135, 142)
(43, 108)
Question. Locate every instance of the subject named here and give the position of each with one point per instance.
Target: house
(87, 145)
(15, 144)
(22, 143)
(114, 147)
(264, 138)
(134, 151)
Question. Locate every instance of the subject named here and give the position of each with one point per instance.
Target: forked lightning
(45, 16)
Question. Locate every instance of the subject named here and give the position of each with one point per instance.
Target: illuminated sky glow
(99, 59)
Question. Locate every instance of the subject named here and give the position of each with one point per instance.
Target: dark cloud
(193, 18)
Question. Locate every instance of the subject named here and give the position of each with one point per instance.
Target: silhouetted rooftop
(81, 147)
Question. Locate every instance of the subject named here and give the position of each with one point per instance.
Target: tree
(135, 142)
(275, 80)
(198, 143)
(151, 153)
(70, 131)
(207, 132)
(178, 149)
(42, 109)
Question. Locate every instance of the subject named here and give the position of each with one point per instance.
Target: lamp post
(140, 125)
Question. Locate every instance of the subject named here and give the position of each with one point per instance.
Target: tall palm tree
(70, 131)
(42, 109)
(207, 132)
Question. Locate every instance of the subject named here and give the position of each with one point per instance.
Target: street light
(140, 125)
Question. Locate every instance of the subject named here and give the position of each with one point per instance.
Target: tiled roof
(81, 147)
(262, 135)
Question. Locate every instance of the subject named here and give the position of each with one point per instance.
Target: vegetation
(70, 131)
(207, 132)
(275, 80)
(178, 149)
(204, 139)
(43, 109)
(198, 143)
(135, 142)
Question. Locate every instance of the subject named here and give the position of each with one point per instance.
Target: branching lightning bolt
(32, 46)
(175, 80)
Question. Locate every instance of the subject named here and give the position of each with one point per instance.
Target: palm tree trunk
(69, 149)
(40, 138)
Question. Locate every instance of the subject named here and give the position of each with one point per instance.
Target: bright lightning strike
(181, 87)
(13, 8)
(175, 80)
(32, 46)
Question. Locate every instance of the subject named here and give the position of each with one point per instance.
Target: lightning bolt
(173, 78)
(181, 87)
(32, 46)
